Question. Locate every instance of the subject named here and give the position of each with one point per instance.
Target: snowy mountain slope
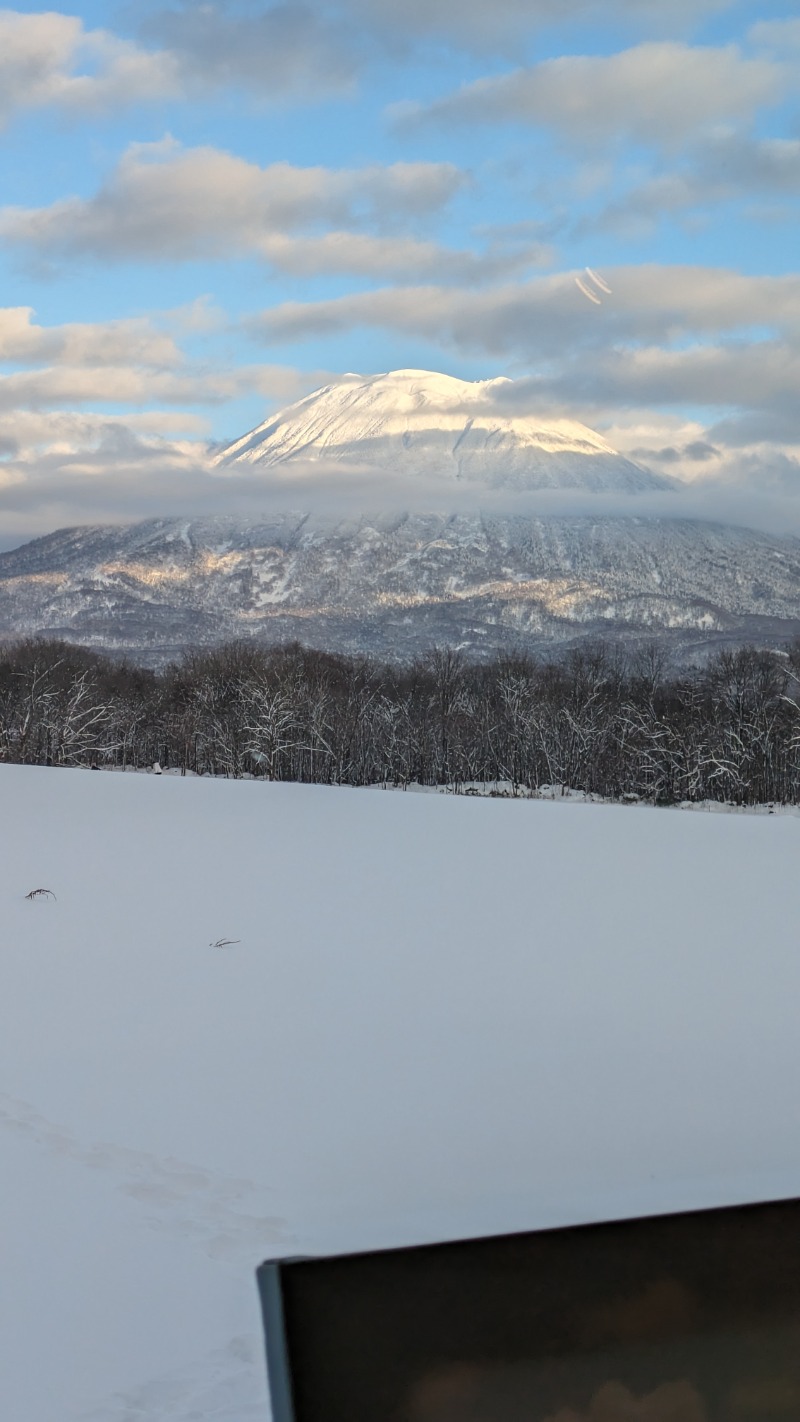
(395, 584)
(381, 1059)
(422, 425)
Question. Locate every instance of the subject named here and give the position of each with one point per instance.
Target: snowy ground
(442, 1015)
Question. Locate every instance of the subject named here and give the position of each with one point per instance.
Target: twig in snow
(40, 894)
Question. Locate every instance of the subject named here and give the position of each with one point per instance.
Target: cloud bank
(52, 60)
(547, 316)
(165, 203)
(656, 93)
(286, 51)
(656, 140)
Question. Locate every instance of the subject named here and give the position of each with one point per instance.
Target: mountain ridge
(395, 581)
(393, 585)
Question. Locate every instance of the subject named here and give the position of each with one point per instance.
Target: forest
(596, 719)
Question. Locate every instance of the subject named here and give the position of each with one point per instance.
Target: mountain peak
(421, 424)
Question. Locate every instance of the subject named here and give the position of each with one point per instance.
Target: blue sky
(207, 209)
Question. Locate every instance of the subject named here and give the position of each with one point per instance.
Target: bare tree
(589, 720)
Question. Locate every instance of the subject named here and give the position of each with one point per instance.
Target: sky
(209, 209)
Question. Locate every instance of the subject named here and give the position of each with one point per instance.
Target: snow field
(444, 1016)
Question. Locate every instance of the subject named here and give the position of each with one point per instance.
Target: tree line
(595, 719)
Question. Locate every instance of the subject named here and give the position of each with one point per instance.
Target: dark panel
(684, 1318)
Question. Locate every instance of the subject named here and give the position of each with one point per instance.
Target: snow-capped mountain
(395, 585)
(416, 424)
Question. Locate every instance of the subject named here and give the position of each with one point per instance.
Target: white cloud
(398, 258)
(130, 362)
(753, 480)
(125, 385)
(51, 59)
(729, 168)
(547, 317)
(472, 24)
(65, 386)
(294, 49)
(742, 376)
(165, 203)
(65, 430)
(286, 50)
(69, 468)
(661, 93)
(66, 466)
(24, 342)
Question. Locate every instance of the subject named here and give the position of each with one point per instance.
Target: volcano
(416, 425)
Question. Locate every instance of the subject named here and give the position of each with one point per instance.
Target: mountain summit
(417, 424)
